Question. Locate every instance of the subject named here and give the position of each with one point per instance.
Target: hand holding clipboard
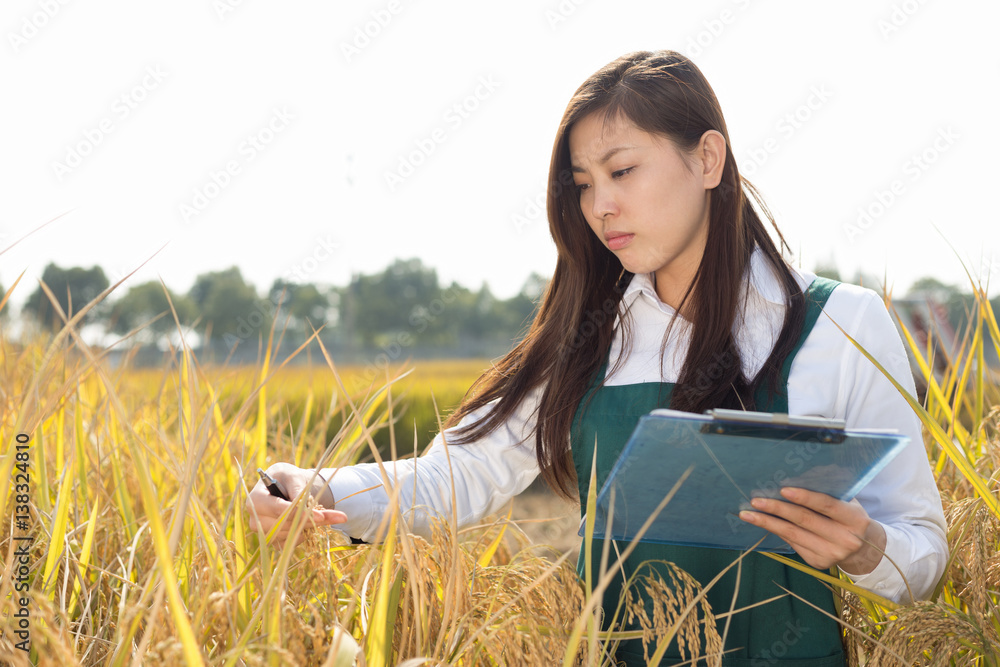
(733, 456)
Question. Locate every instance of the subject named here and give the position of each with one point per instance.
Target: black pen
(272, 485)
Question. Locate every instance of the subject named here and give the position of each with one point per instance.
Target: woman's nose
(604, 202)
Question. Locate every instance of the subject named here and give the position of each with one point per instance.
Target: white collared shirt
(829, 377)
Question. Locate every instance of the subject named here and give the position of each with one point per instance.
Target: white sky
(890, 92)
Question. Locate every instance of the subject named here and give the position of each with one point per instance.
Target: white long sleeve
(903, 497)
(486, 474)
(829, 377)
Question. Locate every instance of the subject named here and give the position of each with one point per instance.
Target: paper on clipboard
(734, 457)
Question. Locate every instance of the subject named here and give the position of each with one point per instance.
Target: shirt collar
(762, 279)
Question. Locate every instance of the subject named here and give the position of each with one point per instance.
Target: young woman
(669, 292)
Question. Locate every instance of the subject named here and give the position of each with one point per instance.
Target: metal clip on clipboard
(755, 424)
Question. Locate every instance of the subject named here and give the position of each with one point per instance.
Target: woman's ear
(712, 152)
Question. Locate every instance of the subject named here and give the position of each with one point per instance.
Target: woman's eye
(615, 175)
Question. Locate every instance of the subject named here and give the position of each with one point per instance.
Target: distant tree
(534, 286)
(144, 302)
(507, 319)
(930, 285)
(522, 307)
(957, 303)
(469, 314)
(446, 318)
(405, 298)
(304, 303)
(229, 306)
(72, 288)
(405, 304)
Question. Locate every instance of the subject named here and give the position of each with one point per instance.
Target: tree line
(403, 308)
(405, 303)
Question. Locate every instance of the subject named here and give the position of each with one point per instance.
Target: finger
(311, 520)
(254, 509)
(811, 553)
(265, 511)
(826, 545)
(331, 517)
(819, 561)
(251, 497)
(278, 534)
(797, 515)
(266, 525)
(787, 531)
(851, 514)
(834, 520)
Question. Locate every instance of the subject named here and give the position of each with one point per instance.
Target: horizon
(262, 290)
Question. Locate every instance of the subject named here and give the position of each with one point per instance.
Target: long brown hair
(662, 93)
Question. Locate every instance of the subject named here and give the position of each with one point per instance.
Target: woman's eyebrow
(607, 156)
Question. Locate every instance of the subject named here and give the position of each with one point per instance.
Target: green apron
(786, 631)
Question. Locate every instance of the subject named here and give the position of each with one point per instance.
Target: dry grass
(140, 551)
(960, 625)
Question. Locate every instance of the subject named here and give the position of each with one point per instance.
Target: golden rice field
(125, 540)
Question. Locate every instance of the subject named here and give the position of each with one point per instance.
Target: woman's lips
(619, 241)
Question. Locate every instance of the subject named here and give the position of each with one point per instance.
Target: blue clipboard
(732, 456)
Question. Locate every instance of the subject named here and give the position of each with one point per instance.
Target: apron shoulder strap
(816, 296)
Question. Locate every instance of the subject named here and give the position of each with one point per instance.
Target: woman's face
(647, 203)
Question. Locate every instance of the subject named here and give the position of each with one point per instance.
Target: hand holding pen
(272, 486)
(270, 498)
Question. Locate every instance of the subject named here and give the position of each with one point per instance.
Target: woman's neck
(671, 293)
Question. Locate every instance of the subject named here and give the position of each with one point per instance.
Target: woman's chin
(636, 267)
